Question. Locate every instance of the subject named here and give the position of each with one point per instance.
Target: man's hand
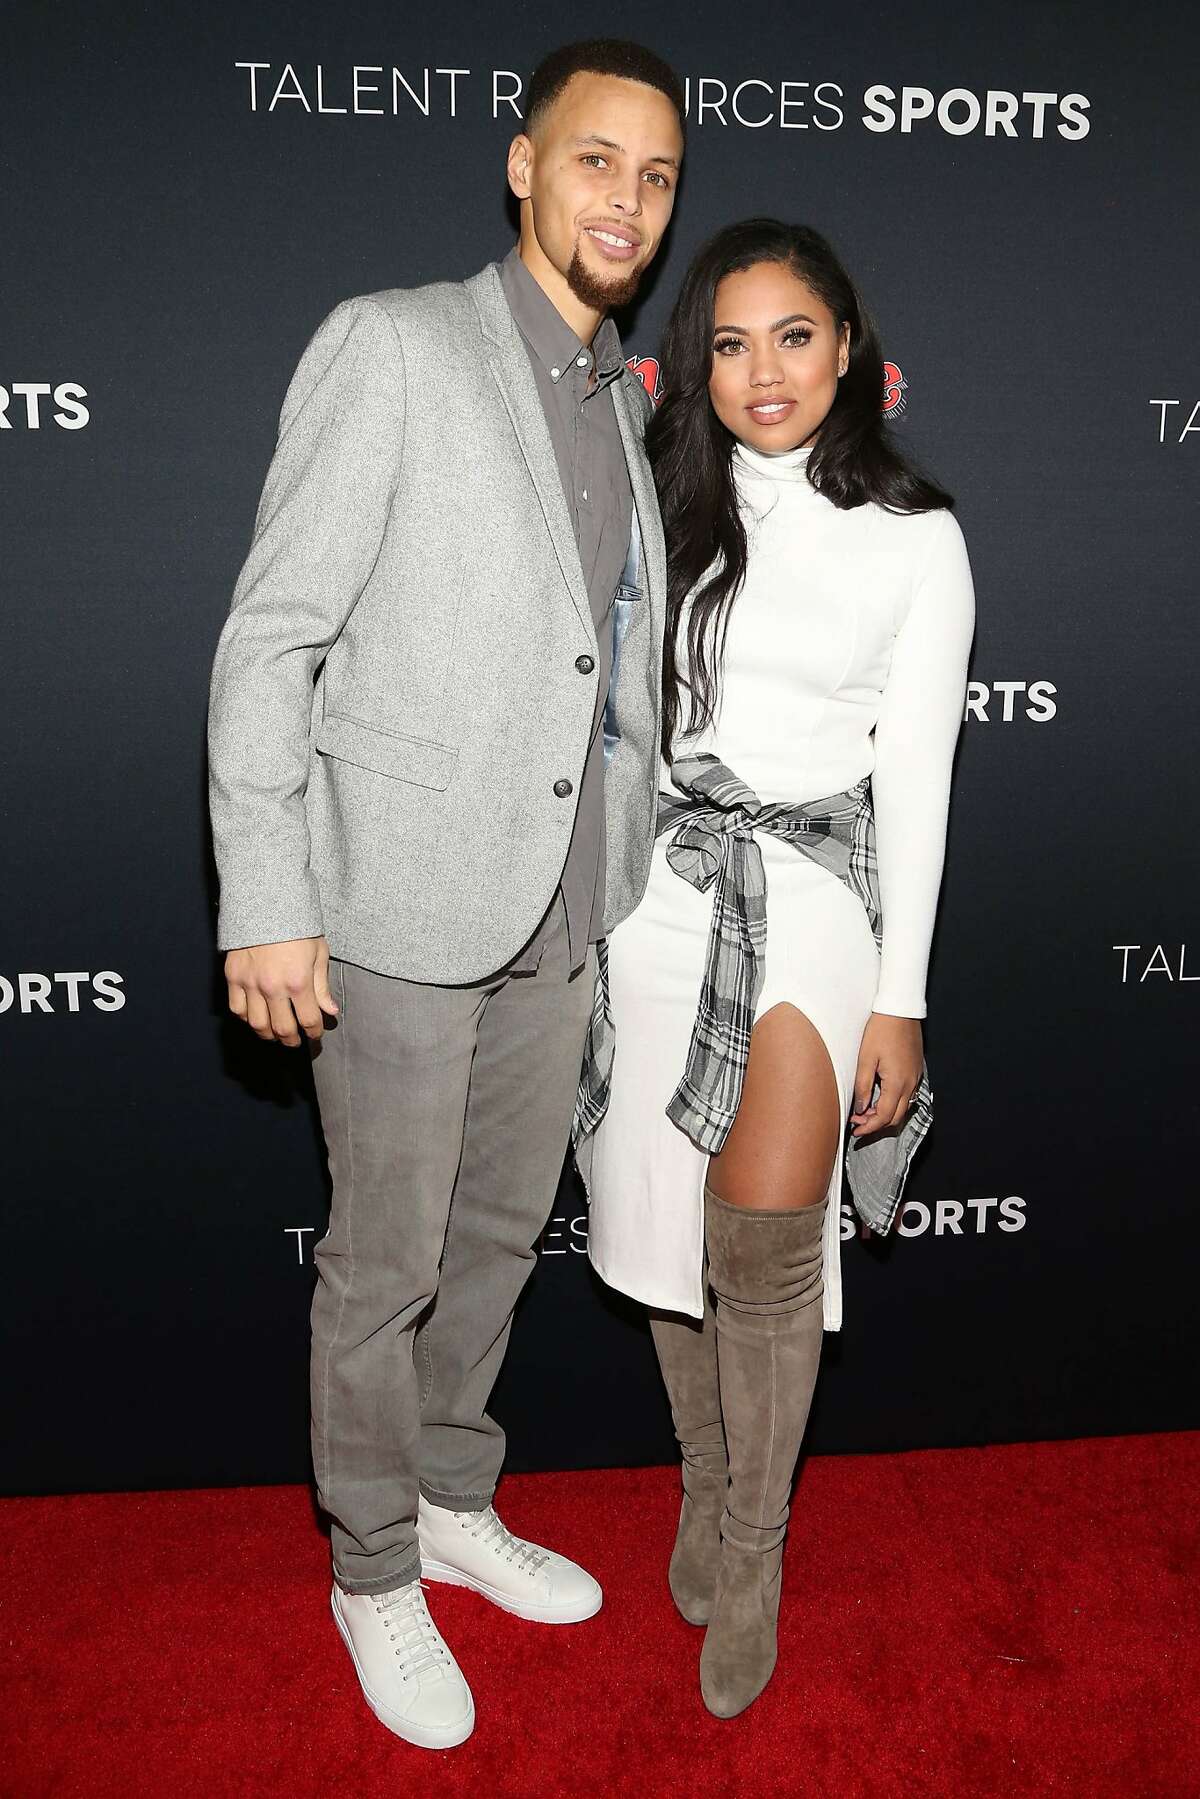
(891, 1052)
(281, 989)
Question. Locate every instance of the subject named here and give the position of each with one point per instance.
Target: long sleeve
(918, 726)
(318, 533)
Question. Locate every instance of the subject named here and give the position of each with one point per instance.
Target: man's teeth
(606, 237)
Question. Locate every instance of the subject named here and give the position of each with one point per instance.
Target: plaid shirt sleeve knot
(713, 822)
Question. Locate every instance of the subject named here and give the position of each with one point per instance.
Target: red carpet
(1002, 1621)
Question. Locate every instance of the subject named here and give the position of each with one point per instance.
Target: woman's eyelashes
(793, 339)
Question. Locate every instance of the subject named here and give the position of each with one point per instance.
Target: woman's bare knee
(779, 1155)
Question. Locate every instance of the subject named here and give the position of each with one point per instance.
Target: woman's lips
(771, 412)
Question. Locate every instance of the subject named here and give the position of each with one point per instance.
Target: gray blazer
(397, 700)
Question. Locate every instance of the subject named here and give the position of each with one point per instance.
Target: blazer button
(562, 789)
(585, 664)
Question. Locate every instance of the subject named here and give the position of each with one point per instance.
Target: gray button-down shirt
(573, 380)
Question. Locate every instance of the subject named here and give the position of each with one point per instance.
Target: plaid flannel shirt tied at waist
(713, 821)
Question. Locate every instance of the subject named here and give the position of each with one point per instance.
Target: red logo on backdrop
(647, 370)
(649, 373)
(894, 386)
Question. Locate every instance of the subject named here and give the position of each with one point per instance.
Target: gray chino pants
(446, 1113)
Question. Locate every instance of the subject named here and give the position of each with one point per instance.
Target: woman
(820, 614)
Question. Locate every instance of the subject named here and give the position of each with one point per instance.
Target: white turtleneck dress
(846, 656)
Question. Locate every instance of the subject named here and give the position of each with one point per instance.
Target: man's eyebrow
(606, 143)
(793, 318)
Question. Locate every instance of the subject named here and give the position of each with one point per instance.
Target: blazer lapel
(508, 360)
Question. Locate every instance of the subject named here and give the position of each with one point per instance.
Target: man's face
(599, 175)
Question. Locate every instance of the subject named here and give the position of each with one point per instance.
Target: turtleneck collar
(783, 465)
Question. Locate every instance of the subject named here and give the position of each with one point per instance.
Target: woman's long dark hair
(853, 459)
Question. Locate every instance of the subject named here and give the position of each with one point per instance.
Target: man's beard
(601, 296)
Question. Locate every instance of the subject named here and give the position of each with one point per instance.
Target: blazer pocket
(386, 753)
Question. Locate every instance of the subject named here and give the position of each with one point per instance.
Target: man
(429, 802)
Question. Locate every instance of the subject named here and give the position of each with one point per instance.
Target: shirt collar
(547, 333)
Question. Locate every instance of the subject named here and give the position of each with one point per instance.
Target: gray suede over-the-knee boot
(687, 1356)
(765, 1270)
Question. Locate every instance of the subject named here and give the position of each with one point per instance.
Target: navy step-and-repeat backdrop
(190, 188)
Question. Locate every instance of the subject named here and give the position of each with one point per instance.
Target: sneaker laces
(487, 1529)
(413, 1631)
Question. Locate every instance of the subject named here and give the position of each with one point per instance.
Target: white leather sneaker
(473, 1549)
(411, 1681)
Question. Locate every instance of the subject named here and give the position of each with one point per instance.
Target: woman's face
(777, 355)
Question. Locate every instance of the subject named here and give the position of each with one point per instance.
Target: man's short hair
(600, 56)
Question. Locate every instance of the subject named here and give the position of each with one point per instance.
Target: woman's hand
(891, 1052)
